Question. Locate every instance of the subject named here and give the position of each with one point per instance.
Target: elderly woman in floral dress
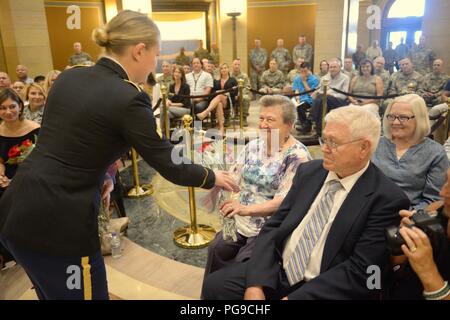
(264, 171)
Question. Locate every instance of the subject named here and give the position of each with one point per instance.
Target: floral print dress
(262, 178)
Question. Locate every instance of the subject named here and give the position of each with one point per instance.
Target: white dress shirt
(315, 261)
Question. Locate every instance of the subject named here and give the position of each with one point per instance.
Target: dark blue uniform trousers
(63, 278)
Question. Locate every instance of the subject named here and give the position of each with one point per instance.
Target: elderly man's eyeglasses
(401, 118)
(333, 145)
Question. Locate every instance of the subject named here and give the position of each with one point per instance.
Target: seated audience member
(366, 83)
(49, 79)
(401, 81)
(424, 271)
(200, 83)
(19, 87)
(294, 73)
(221, 102)
(186, 68)
(358, 56)
(5, 81)
(405, 154)
(272, 80)
(264, 171)
(247, 96)
(40, 80)
(79, 57)
(348, 68)
(14, 130)
(336, 79)
(36, 97)
(177, 104)
(22, 74)
(329, 228)
(324, 68)
(166, 78)
(380, 71)
(306, 81)
(433, 84)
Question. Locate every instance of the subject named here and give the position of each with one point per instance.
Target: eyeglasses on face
(334, 145)
(401, 118)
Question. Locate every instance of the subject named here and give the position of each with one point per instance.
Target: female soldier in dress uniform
(48, 215)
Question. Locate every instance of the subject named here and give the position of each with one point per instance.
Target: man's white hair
(363, 124)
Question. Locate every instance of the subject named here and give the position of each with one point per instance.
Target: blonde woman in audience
(405, 154)
(220, 102)
(50, 78)
(36, 97)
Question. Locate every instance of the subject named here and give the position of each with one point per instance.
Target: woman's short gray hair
(288, 109)
(420, 112)
(362, 123)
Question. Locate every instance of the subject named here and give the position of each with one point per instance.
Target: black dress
(6, 143)
(230, 83)
(180, 96)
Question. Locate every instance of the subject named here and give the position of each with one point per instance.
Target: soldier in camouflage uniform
(201, 53)
(166, 78)
(182, 59)
(380, 71)
(258, 60)
(272, 80)
(433, 84)
(348, 68)
(282, 56)
(402, 79)
(302, 50)
(422, 57)
(247, 97)
(215, 55)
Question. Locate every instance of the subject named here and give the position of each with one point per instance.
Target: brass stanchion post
(324, 101)
(241, 103)
(138, 191)
(411, 87)
(165, 114)
(193, 236)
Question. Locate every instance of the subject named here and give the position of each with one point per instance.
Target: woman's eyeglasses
(401, 118)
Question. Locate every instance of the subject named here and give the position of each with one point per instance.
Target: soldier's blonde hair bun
(100, 36)
(126, 29)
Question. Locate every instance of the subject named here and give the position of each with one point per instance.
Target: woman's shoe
(202, 118)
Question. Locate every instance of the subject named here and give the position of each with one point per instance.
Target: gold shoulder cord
(133, 84)
(206, 177)
(79, 66)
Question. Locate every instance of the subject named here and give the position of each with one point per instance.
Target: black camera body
(429, 224)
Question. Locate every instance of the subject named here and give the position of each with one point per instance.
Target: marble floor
(152, 227)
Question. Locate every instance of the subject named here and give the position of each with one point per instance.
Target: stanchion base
(187, 239)
(142, 191)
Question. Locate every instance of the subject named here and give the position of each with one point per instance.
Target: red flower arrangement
(18, 153)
